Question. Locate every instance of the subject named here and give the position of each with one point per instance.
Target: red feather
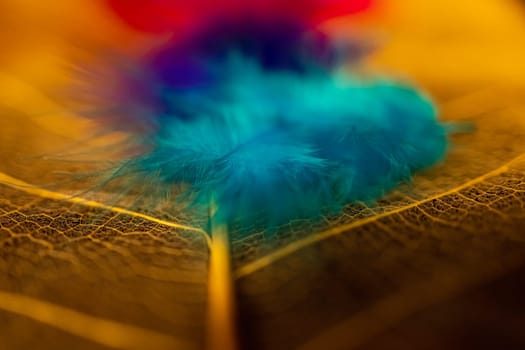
(156, 16)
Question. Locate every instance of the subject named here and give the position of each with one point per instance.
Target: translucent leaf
(437, 264)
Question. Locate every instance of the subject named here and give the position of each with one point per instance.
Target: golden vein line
(305, 242)
(27, 188)
(221, 322)
(98, 330)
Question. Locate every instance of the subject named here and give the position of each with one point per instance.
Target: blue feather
(277, 145)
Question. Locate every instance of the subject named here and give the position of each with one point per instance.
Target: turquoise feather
(278, 146)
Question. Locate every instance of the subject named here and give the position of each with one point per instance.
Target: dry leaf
(437, 264)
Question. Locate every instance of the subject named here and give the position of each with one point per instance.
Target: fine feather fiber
(266, 128)
(283, 146)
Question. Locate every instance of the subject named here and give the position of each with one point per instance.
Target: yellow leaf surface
(436, 264)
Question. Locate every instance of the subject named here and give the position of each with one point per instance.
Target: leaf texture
(360, 281)
(437, 264)
(146, 278)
